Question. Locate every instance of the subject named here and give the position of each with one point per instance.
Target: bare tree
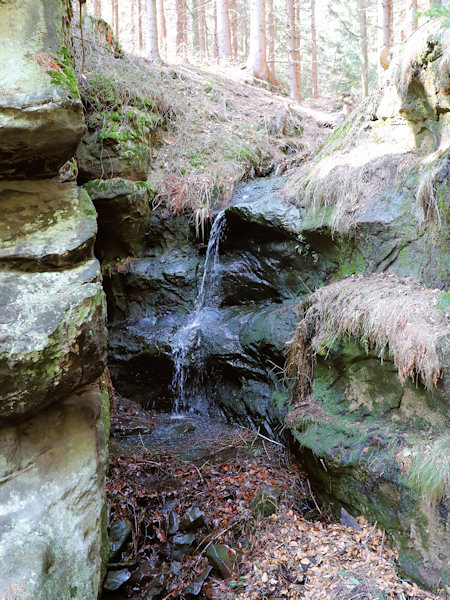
(295, 86)
(162, 29)
(387, 31)
(97, 8)
(152, 32)
(257, 55)
(215, 52)
(270, 33)
(315, 92)
(115, 17)
(223, 31)
(362, 9)
(140, 28)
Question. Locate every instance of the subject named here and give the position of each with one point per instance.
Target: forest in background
(307, 48)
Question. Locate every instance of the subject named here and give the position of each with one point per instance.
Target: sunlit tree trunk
(195, 33)
(223, 31)
(295, 88)
(181, 38)
(140, 28)
(363, 46)
(162, 29)
(315, 92)
(414, 21)
(152, 32)
(233, 24)
(386, 39)
(201, 29)
(115, 17)
(97, 8)
(215, 51)
(257, 55)
(270, 35)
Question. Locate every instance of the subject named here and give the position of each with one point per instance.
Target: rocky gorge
(313, 266)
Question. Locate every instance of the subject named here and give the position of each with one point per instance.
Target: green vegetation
(65, 75)
(430, 468)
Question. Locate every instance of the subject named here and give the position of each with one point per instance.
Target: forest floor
(219, 512)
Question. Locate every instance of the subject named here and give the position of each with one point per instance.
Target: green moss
(66, 77)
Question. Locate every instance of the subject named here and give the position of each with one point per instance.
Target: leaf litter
(299, 551)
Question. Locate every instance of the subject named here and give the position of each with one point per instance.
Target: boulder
(41, 115)
(45, 225)
(52, 336)
(52, 469)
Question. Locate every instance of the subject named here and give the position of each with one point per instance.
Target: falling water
(187, 339)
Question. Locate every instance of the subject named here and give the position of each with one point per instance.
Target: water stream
(187, 340)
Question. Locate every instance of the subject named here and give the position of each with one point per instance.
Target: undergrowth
(207, 132)
(430, 468)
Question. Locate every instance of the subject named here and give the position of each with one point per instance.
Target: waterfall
(187, 339)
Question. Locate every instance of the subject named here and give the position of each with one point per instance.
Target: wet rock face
(41, 117)
(53, 415)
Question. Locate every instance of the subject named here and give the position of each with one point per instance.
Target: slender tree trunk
(223, 31)
(215, 52)
(115, 17)
(295, 88)
(140, 28)
(162, 29)
(152, 32)
(363, 45)
(414, 21)
(181, 29)
(201, 29)
(234, 27)
(97, 8)
(315, 91)
(257, 55)
(270, 35)
(195, 31)
(386, 32)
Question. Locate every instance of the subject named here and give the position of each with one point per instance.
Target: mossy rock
(45, 225)
(41, 115)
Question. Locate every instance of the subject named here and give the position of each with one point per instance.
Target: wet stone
(114, 579)
(192, 519)
(222, 558)
(182, 545)
(156, 587)
(173, 523)
(119, 533)
(195, 587)
(266, 502)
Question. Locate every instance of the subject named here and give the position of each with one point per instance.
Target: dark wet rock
(123, 213)
(182, 545)
(195, 587)
(222, 558)
(119, 533)
(115, 579)
(156, 587)
(266, 502)
(192, 519)
(173, 523)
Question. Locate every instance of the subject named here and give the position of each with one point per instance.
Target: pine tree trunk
(115, 19)
(363, 46)
(257, 55)
(414, 21)
(315, 92)
(152, 32)
(295, 89)
(386, 32)
(215, 52)
(195, 32)
(234, 24)
(181, 29)
(271, 35)
(140, 28)
(201, 28)
(223, 31)
(162, 29)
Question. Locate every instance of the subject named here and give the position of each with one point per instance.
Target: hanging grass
(395, 316)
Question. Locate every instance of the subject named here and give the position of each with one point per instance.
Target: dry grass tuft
(390, 314)
(430, 469)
